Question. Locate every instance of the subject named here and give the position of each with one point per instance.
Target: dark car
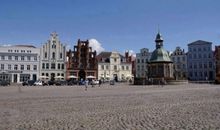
(4, 83)
(61, 82)
(50, 82)
(28, 83)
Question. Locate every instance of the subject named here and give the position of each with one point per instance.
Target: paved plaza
(116, 107)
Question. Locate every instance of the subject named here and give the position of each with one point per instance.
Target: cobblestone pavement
(116, 107)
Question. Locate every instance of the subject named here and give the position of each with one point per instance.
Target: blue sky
(117, 24)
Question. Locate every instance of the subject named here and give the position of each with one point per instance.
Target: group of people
(87, 83)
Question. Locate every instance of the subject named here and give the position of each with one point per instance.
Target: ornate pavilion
(160, 66)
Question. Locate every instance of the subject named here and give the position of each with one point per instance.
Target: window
(22, 67)
(53, 66)
(2, 57)
(9, 67)
(22, 58)
(53, 55)
(138, 67)
(210, 64)
(204, 56)
(115, 59)
(190, 56)
(200, 56)
(35, 58)
(45, 55)
(195, 66)
(28, 58)
(47, 65)
(106, 67)
(142, 60)
(28, 67)
(205, 65)
(2, 66)
(9, 58)
(127, 68)
(122, 67)
(194, 56)
(15, 67)
(183, 58)
(102, 67)
(16, 57)
(61, 55)
(62, 66)
(58, 67)
(178, 59)
(200, 65)
(43, 65)
(115, 67)
(138, 60)
(35, 67)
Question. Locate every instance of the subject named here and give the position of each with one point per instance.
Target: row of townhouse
(19, 63)
(196, 64)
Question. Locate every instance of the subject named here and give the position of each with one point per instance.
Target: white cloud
(96, 45)
(132, 53)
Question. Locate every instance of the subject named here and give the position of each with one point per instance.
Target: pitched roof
(103, 55)
(199, 42)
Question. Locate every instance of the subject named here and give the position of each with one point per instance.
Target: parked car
(4, 83)
(50, 82)
(95, 82)
(28, 83)
(38, 83)
(61, 82)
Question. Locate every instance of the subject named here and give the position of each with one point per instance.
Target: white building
(179, 58)
(112, 65)
(53, 57)
(19, 63)
(142, 59)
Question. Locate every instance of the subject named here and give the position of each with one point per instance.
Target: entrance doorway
(52, 76)
(82, 74)
(15, 78)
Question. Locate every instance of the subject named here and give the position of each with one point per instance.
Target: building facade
(200, 61)
(113, 66)
(19, 63)
(160, 66)
(179, 58)
(130, 58)
(53, 58)
(217, 64)
(142, 59)
(81, 62)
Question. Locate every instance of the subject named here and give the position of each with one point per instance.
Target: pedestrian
(100, 82)
(86, 84)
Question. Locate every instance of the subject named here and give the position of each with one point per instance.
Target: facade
(217, 64)
(200, 61)
(53, 58)
(131, 59)
(19, 63)
(81, 62)
(142, 60)
(113, 66)
(160, 66)
(179, 58)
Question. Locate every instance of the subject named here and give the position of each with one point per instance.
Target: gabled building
(179, 58)
(142, 60)
(200, 61)
(81, 61)
(113, 66)
(53, 58)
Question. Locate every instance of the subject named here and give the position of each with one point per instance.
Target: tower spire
(159, 40)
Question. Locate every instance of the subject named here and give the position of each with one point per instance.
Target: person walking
(86, 84)
(100, 82)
